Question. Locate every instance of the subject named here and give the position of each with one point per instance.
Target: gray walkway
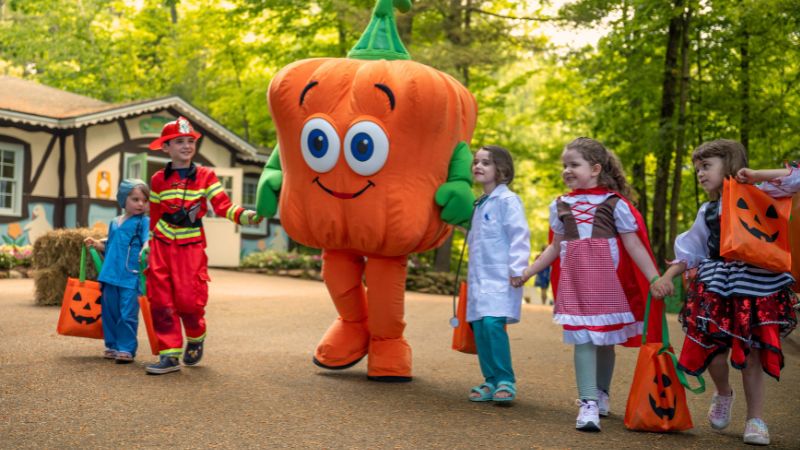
(257, 387)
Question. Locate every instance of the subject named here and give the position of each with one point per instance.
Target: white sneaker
(588, 416)
(719, 413)
(602, 402)
(756, 432)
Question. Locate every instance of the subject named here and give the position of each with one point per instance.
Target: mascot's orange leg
(389, 353)
(347, 339)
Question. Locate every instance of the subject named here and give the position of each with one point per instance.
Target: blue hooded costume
(120, 274)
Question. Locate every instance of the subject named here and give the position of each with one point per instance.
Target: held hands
(251, 217)
(517, 281)
(662, 287)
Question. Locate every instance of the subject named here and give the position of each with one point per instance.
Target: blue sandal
(505, 386)
(481, 390)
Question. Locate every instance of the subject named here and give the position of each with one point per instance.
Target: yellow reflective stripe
(197, 339)
(213, 190)
(154, 198)
(178, 194)
(231, 213)
(177, 233)
(171, 352)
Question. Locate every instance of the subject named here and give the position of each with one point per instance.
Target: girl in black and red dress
(732, 307)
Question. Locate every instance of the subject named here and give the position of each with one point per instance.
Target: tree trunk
(680, 147)
(173, 10)
(633, 58)
(696, 105)
(666, 132)
(456, 27)
(744, 93)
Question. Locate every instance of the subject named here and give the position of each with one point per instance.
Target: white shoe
(602, 403)
(588, 416)
(719, 413)
(756, 432)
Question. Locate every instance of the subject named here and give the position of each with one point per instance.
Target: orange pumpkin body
(423, 113)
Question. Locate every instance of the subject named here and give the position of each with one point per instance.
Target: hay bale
(50, 284)
(56, 256)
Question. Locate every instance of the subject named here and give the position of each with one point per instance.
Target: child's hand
(662, 287)
(91, 242)
(746, 175)
(144, 254)
(517, 281)
(252, 217)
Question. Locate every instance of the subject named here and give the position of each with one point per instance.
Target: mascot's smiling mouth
(343, 195)
(758, 233)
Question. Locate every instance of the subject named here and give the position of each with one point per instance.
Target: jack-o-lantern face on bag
(662, 398)
(766, 229)
(85, 307)
(754, 227)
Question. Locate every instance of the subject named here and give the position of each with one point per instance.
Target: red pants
(177, 286)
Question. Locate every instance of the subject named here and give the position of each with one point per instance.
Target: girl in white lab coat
(499, 250)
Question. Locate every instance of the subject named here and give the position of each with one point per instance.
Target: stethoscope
(136, 237)
(477, 203)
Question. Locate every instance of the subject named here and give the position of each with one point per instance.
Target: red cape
(634, 283)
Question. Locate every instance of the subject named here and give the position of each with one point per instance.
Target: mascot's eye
(366, 147)
(319, 144)
(772, 213)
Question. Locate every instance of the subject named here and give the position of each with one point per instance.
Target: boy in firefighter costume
(177, 276)
(373, 165)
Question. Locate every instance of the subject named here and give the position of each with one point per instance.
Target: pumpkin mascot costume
(373, 165)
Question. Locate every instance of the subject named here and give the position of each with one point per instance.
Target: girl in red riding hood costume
(601, 280)
(732, 306)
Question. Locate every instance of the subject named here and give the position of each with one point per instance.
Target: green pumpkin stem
(381, 39)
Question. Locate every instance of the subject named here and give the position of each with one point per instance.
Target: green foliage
(276, 260)
(533, 98)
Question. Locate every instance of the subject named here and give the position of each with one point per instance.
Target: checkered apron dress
(588, 285)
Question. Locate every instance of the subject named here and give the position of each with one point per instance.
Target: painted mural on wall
(277, 240)
(103, 185)
(28, 231)
(100, 216)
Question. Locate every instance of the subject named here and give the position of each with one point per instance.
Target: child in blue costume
(127, 235)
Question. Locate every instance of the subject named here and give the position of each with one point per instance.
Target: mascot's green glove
(269, 185)
(455, 196)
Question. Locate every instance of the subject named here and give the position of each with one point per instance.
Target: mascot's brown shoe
(389, 360)
(343, 346)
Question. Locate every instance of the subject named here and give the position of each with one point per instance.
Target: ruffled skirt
(713, 324)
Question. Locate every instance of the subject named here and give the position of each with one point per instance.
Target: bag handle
(82, 270)
(454, 320)
(98, 261)
(665, 344)
(142, 267)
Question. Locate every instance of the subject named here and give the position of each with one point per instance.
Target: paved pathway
(257, 387)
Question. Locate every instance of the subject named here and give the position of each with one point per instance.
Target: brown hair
(503, 161)
(144, 188)
(732, 153)
(611, 174)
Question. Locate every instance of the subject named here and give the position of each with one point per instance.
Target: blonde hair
(612, 176)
